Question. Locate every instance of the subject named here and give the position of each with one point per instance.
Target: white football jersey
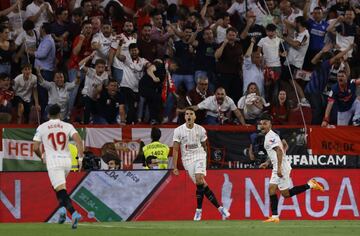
(271, 141)
(54, 135)
(190, 143)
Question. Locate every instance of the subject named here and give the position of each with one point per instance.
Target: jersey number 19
(58, 139)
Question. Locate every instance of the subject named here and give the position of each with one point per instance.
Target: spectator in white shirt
(28, 39)
(95, 79)
(297, 51)
(102, 42)
(134, 67)
(220, 27)
(251, 104)
(253, 69)
(39, 12)
(25, 88)
(270, 47)
(59, 92)
(121, 47)
(288, 16)
(217, 107)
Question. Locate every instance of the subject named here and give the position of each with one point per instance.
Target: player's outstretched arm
(175, 157)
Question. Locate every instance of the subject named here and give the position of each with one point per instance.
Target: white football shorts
(283, 182)
(58, 173)
(197, 167)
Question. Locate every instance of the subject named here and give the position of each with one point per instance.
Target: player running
(280, 177)
(192, 139)
(54, 135)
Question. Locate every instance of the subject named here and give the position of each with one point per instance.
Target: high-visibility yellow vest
(74, 161)
(161, 151)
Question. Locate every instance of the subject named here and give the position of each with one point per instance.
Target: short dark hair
(60, 10)
(133, 45)
(3, 76)
(26, 65)
(318, 8)
(112, 81)
(46, 27)
(106, 22)
(155, 134)
(189, 109)
(301, 20)
(85, 22)
(225, 14)
(271, 27)
(100, 61)
(231, 29)
(154, 13)
(54, 110)
(265, 116)
(78, 12)
(147, 25)
(3, 28)
(28, 25)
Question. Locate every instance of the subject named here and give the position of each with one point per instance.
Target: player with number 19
(54, 135)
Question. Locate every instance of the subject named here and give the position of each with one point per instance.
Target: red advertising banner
(245, 193)
(29, 196)
(344, 140)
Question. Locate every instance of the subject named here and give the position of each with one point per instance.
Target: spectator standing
(110, 105)
(59, 92)
(204, 61)
(6, 50)
(251, 30)
(134, 68)
(159, 34)
(344, 94)
(25, 91)
(45, 61)
(253, 69)
(147, 46)
(39, 12)
(94, 81)
(81, 48)
(228, 62)
(102, 42)
(6, 99)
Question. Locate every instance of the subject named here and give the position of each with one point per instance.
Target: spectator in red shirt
(114, 13)
(280, 109)
(6, 96)
(81, 48)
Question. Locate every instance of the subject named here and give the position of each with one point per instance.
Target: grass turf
(188, 228)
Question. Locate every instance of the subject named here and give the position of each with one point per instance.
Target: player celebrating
(280, 177)
(54, 134)
(192, 139)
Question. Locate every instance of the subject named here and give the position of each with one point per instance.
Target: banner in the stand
(344, 140)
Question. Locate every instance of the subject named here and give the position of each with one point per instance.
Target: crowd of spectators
(130, 62)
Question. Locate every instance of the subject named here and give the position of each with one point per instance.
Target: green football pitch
(188, 228)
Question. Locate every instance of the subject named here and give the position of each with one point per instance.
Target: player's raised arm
(175, 157)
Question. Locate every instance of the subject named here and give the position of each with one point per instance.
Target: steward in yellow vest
(156, 153)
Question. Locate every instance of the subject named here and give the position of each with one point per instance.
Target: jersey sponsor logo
(191, 146)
